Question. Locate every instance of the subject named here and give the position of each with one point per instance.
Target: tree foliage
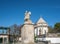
(57, 27)
(15, 31)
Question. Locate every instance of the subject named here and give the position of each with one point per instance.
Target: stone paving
(35, 43)
(41, 43)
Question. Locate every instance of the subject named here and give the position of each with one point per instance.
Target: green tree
(57, 27)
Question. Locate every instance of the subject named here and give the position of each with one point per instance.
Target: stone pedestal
(27, 34)
(27, 31)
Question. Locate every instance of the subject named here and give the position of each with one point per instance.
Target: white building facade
(41, 27)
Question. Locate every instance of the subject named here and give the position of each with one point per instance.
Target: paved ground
(35, 43)
(41, 43)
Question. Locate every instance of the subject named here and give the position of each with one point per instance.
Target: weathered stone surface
(27, 33)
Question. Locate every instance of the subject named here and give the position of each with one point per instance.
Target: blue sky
(12, 11)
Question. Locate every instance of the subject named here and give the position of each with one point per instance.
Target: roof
(4, 28)
(41, 20)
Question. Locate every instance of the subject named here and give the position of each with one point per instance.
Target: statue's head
(28, 12)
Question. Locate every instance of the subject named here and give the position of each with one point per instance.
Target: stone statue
(27, 18)
(27, 30)
(27, 15)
